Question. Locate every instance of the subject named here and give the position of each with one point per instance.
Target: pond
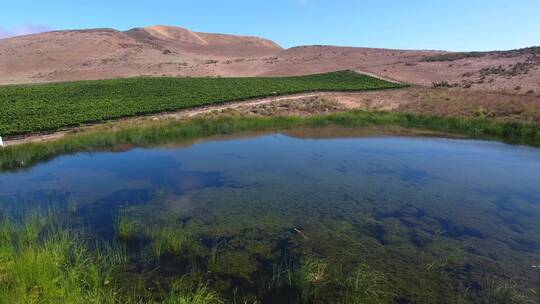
(437, 219)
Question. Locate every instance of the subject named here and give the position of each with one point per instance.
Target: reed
(124, 227)
(153, 133)
(201, 295)
(168, 240)
(40, 263)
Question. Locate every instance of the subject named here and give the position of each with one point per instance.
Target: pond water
(439, 218)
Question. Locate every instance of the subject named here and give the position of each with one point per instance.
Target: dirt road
(347, 100)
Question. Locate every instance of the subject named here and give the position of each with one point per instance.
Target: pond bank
(152, 133)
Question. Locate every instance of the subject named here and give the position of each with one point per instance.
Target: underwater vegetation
(274, 218)
(45, 260)
(367, 286)
(125, 228)
(202, 295)
(168, 240)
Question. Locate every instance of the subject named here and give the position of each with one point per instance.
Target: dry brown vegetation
(300, 107)
(439, 102)
(462, 103)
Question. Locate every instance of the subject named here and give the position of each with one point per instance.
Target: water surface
(438, 216)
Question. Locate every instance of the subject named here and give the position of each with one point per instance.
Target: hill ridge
(162, 50)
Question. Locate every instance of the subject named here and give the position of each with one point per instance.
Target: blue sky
(405, 24)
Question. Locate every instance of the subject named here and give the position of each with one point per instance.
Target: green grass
(124, 227)
(202, 295)
(46, 107)
(168, 240)
(43, 261)
(40, 263)
(21, 156)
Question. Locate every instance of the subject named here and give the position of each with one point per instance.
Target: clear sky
(405, 24)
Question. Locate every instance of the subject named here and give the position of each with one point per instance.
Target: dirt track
(345, 99)
(440, 102)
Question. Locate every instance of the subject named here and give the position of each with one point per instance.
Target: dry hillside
(174, 51)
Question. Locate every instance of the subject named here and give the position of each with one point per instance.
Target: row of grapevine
(34, 108)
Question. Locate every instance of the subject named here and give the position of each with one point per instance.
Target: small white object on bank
(1, 142)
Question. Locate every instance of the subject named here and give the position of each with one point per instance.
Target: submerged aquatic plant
(214, 258)
(310, 277)
(72, 207)
(498, 291)
(168, 240)
(124, 227)
(307, 276)
(283, 272)
(115, 254)
(201, 295)
(366, 286)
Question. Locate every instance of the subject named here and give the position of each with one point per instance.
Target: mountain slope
(174, 51)
(107, 53)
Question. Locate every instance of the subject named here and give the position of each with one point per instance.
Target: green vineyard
(46, 107)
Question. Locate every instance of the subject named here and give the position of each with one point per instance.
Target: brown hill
(183, 40)
(174, 51)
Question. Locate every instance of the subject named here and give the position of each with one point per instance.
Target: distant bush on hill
(453, 56)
